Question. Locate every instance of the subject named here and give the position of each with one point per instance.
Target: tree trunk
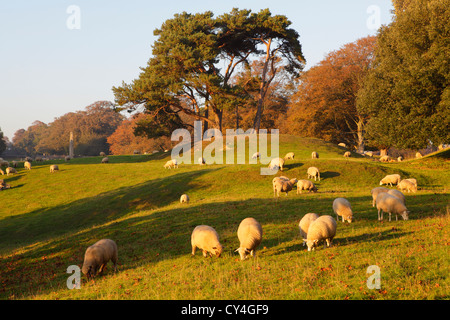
(360, 136)
(237, 117)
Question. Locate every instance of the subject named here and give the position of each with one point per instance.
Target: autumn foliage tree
(324, 105)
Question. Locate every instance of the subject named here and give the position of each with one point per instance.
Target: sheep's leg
(328, 242)
(193, 249)
(205, 253)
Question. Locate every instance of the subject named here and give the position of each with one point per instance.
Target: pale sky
(48, 69)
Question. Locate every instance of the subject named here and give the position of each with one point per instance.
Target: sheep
(323, 228)
(206, 239)
(67, 158)
(342, 207)
(347, 154)
(10, 170)
(105, 160)
(53, 168)
(414, 181)
(184, 198)
(304, 224)
(397, 194)
(314, 155)
(384, 158)
(14, 164)
(102, 154)
(256, 155)
(390, 179)
(276, 163)
(391, 204)
(201, 161)
(313, 172)
(250, 236)
(368, 153)
(289, 156)
(406, 185)
(375, 192)
(2, 172)
(98, 255)
(343, 145)
(171, 164)
(400, 159)
(418, 155)
(305, 185)
(4, 163)
(27, 165)
(283, 186)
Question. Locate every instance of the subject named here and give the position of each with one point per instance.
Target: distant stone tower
(71, 145)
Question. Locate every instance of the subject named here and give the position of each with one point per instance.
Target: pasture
(48, 220)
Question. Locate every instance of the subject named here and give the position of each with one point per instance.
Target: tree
(27, 140)
(2, 142)
(184, 74)
(324, 105)
(406, 93)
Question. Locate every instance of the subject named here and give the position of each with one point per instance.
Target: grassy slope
(48, 220)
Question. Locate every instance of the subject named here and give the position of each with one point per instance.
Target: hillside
(48, 220)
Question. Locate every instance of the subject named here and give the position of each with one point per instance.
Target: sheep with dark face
(98, 255)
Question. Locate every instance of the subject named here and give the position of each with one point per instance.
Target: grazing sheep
(289, 156)
(27, 165)
(406, 185)
(4, 185)
(400, 159)
(418, 155)
(184, 198)
(283, 186)
(342, 207)
(201, 161)
(343, 145)
(414, 181)
(171, 164)
(384, 158)
(313, 172)
(102, 154)
(53, 168)
(347, 154)
(98, 255)
(368, 153)
(305, 185)
(276, 163)
(304, 224)
(206, 239)
(323, 228)
(256, 155)
(390, 179)
(391, 204)
(397, 194)
(250, 236)
(314, 155)
(375, 192)
(2, 172)
(10, 170)
(105, 160)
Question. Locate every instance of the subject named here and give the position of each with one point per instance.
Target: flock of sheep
(313, 228)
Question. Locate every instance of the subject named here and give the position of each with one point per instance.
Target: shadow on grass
(153, 233)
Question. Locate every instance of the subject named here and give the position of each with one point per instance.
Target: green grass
(48, 220)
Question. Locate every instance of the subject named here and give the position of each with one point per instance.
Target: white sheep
(390, 204)
(102, 154)
(184, 198)
(390, 179)
(385, 158)
(400, 159)
(27, 165)
(347, 154)
(105, 160)
(256, 155)
(368, 153)
(201, 161)
(375, 192)
(10, 170)
(313, 172)
(414, 181)
(289, 156)
(171, 164)
(276, 163)
(305, 185)
(53, 168)
(343, 145)
(250, 236)
(314, 155)
(418, 155)
(304, 224)
(283, 186)
(98, 255)
(2, 172)
(323, 228)
(206, 239)
(397, 194)
(342, 207)
(406, 185)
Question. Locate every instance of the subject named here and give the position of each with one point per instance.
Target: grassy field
(48, 220)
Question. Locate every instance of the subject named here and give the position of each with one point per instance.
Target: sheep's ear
(315, 241)
(237, 250)
(214, 247)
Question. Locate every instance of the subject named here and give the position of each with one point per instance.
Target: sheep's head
(311, 244)
(89, 269)
(243, 252)
(405, 214)
(217, 250)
